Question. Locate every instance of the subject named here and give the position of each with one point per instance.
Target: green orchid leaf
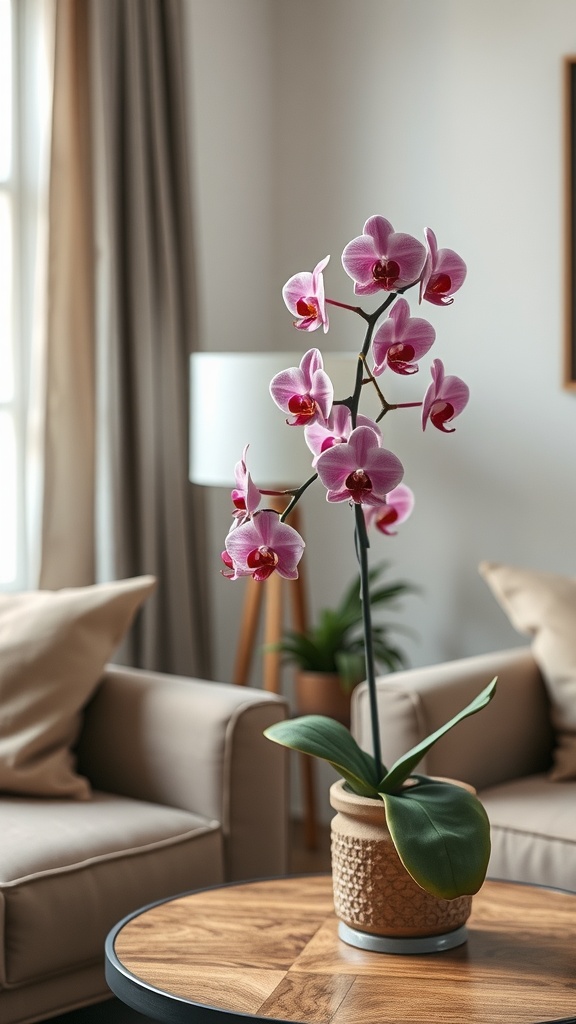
(330, 740)
(442, 835)
(405, 765)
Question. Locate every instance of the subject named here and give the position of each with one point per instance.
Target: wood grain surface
(270, 949)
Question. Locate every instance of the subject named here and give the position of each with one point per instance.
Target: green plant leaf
(340, 630)
(405, 765)
(391, 592)
(442, 835)
(351, 604)
(330, 740)
(351, 669)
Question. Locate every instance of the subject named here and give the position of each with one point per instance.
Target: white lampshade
(230, 406)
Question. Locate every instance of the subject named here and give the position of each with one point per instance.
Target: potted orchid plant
(439, 830)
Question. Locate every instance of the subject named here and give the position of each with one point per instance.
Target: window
(24, 109)
(9, 505)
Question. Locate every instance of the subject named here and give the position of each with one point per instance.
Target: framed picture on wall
(570, 225)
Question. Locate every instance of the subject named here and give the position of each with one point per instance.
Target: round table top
(269, 951)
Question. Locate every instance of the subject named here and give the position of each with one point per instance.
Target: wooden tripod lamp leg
(272, 590)
(272, 632)
(248, 630)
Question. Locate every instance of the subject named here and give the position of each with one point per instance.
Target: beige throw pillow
(543, 605)
(53, 649)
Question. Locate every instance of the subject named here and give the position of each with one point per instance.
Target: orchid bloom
(444, 273)
(324, 434)
(359, 469)
(401, 340)
(304, 296)
(445, 398)
(263, 545)
(245, 496)
(304, 391)
(382, 259)
(396, 510)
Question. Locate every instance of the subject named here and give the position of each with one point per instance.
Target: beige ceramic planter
(321, 693)
(373, 893)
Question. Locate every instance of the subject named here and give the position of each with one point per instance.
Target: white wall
(232, 125)
(448, 114)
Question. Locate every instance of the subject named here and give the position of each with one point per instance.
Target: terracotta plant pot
(321, 693)
(374, 896)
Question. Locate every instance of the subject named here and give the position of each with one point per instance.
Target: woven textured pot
(373, 892)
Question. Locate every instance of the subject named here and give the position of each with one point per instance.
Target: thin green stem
(406, 405)
(371, 378)
(296, 496)
(362, 545)
(353, 309)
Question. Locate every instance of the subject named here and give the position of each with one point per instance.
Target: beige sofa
(505, 751)
(186, 793)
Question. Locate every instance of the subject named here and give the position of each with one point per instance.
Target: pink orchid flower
(304, 391)
(359, 469)
(401, 340)
(263, 545)
(382, 259)
(444, 273)
(245, 496)
(324, 434)
(445, 398)
(396, 510)
(304, 296)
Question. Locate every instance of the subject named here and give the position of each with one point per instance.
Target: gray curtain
(148, 517)
(68, 347)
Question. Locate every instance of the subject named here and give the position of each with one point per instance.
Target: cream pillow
(53, 649)
(543, 605)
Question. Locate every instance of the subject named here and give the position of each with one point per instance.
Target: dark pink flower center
(386, 273)
(305, 308)
(263, 561)
(387, 518)
(239, 500)
(439, 284)
(302, 406)
(440, 413)
(358, 484)
(401, 353)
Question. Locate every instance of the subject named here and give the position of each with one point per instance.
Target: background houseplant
(329, 655)
(439, 830)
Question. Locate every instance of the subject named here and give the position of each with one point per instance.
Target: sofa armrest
(510, 738)
(199, 746)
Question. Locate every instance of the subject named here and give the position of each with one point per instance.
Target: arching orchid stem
(362, 545)
(386, 407)
(353, 309)
(373, 317)
(371, 379)
(405, 405)
(296, 496)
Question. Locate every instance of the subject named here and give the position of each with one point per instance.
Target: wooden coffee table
(269, 951)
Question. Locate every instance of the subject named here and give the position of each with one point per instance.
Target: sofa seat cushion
(69, 870)
(533, 823)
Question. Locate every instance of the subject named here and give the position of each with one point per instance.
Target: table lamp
(230, 406)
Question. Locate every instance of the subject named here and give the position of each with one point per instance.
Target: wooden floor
(302, 861)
